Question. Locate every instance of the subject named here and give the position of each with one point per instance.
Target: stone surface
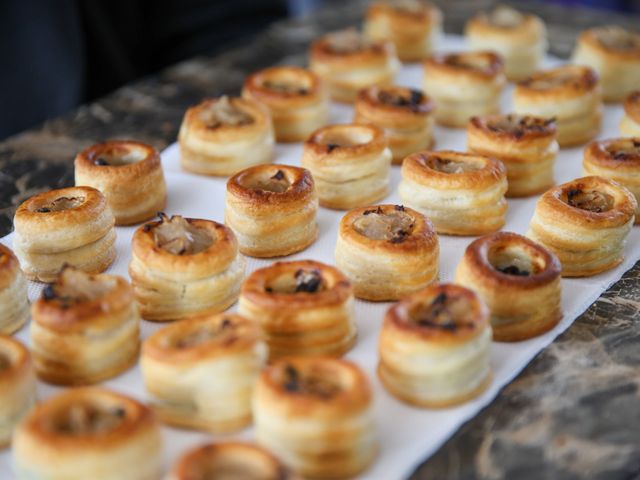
(574, 413)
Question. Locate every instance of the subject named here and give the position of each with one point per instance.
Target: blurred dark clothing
(57, 54)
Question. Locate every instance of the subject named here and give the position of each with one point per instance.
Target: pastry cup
(413, 27)
(434, 347)
(221, 136)
(464, 85)
(14, 304)
(88, 433)
(461, 193)
(224, 354)
(85, 328)
(184, 267)
(526, 145)
(571, 94)
(350, 165)
(630, 123)
(387, 251)
(316, 412)
(405, 115)
(347, 62)
(585, 222)
(296, 99)
(17, 384)
(272, 210)
(304, 307)
(129, 175)
(518, 279)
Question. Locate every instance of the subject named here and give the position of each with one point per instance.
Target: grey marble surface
(573, 413)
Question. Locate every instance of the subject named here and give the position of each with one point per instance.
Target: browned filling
(590, 200)
(444, 312)
(119, 156)
(518, 126)
(303, 280)
(87, 419)
(277, 183)
(347, 41)
(447, 165)
(513, 261)
(505, 17)
(392, 227)
(285, 87)
(76, 286)
(409, 98)
(224, 112)
(62, 203)
(317, 384)
(627, 149)
(617, 38)
(4, 362)
(224, 332)
(471, 62)
(177, 235)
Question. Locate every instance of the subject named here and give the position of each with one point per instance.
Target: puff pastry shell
(630, 123)
(14, 304)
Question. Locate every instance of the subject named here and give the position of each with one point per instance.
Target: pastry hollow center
(224, 112)
(555, 80)
(590, 200)
(471, 62)
(205, 334)
(277, 183)
(513, 261)
(444, 312)
(303, 280)
(448, 165)
(347, 41)
(351, 138)
(625, 149)
(617, 38)
(74, 285)
(519, 125)
(60, 204)
(233, 467)
(84, 418)
(313, 383)
(505, 17)
(178, 236)
(283, 86)
(119, 156)
(393, 226)
(409, 98)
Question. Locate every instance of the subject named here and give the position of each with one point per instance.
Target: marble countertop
(573, 413)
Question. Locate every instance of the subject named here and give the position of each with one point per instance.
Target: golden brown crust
(521, 27)
(632, 106)
(9, 267)
(14, 304)
(473, 66)
(129, 174)
(612, 41)
(326, 142)
(16, 361)
(243, 459)
(561, 83)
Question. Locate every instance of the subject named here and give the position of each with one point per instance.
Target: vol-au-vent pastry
(387, 251)
(347, 62)
(221, 136)
(570, 94)
(184, 267)
(414, 26)
(70, 226)
(434, 347)
(614, 53)
(296, 98)
(17, 384)
(405, 115)
(316, 414)
(88, 433)
(617, 159)
(518, 279)
(461, 193)
(350, 164)
(520, 39)
(464, 85)
(630, 123)
(230, 461)
(85, 328)
(585, 222)
(304, 307)
(201, 371)
(525, 144)
(14, 304)
(129, 175)
(272, 210)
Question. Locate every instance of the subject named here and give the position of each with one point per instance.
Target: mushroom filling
(276, 183)
(222, 332)
(625, 150)
(617, 38)
(447, 165)
(62, 203)
(511, 261)
(76, 286)
(392, 227)
(4, 362)
(88, 419)
(347, 41)
(444, 312)
(316, 384)
(223, 112)
(284, 87)
(518, 126)
(591, 200)
(303, 280)
(177, 235)
(505, 17)
(409, 98)
(119, 156)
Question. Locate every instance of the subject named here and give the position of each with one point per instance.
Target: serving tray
(407, 435)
